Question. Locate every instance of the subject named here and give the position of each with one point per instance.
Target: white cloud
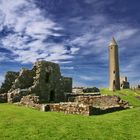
(67, 68)
(31, 29)
(86, 78)
(95, 39)
(2, 58)
(90, 78)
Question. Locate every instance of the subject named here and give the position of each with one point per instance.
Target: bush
(89, 90)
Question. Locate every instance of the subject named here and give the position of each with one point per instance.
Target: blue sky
(73, 33)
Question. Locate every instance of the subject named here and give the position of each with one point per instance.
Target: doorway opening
(52, 96)
(47, 77)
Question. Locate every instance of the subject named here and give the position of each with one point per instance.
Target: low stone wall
(3, 98)
(82, 109)
(101, 101)
(16, 95)
(31, 101)
(70, 97)
(103, 110)
(83, 105)
(69, 108)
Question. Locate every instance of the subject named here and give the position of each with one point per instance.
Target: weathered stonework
(69, 108)
(70, 97)
(124, 83)
(84, 105)
(3, 98)
(102, 101)
(24, 79)
(10, 77)
(16, 95)
(43, 80)
(44, 88)
(31, 101)
(114, 74)
(89, 105)
(77, 90)
(48, 83)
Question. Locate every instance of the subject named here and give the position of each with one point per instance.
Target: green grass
(20, 123)
(125, 94)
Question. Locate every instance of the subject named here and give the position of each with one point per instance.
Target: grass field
(20, 123)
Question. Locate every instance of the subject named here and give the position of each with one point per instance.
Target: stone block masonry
(3, 98)
(90, 105)
(43, 80)
(80, 109)
(31, 101)
(102, 101)
(69, 108)
(44, 88)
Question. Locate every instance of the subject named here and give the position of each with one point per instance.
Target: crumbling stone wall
(84, 105)
(69, 108)
(124, 83)
(43, 80)
(48, 83)
(16, 95)
(70, 97)
(3, 98)
(24, 79)
(31, 101)
(85, 108)
(67, 84)
(8, 82)
(101, 101)
(77, 90)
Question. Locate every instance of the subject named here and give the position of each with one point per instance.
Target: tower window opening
(114, 71)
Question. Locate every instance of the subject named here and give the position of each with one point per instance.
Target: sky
(73, 33)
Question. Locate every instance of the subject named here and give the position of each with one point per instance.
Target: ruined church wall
(47, 82)
(67, 84)
(43, 80)
(24, 79)
(8, 82)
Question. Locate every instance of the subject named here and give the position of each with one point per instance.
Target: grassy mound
(20, 123)
(126, 94)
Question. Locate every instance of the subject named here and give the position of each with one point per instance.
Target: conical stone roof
(113, 42)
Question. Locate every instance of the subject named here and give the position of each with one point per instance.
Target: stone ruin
(44, 88)
(89, 105)
(83, 105)
(43, 80)
(124, 84)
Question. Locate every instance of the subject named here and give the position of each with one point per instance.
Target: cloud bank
(28, 33)
(73, 33)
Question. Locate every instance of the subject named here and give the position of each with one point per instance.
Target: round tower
(114, 76)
